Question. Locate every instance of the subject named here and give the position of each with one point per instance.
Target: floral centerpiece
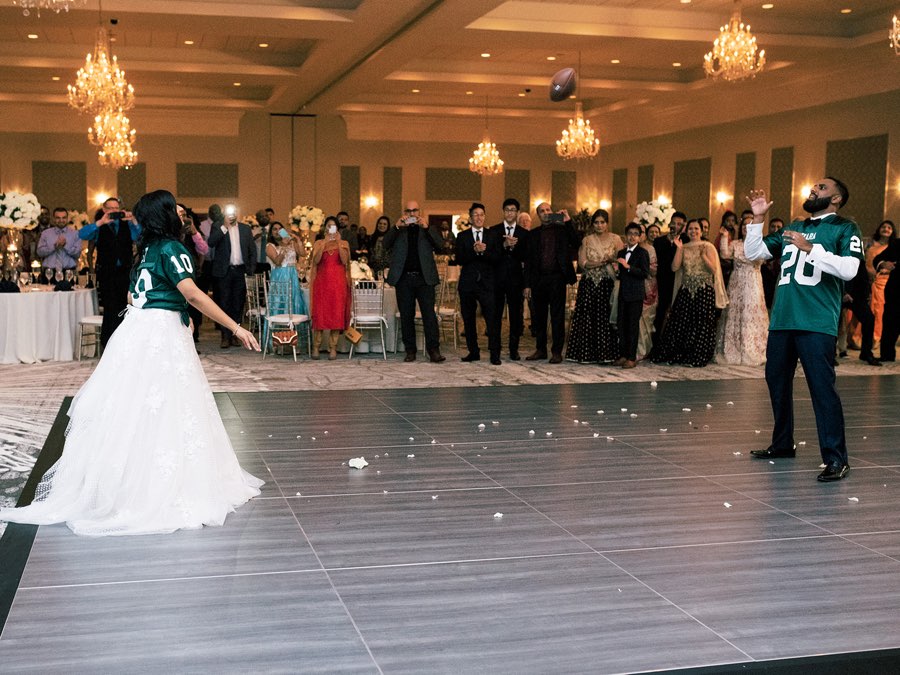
(654, 213)
(79, 219)
(307, 218)
(19, 211)
(462, 222)
(360, 270)
(250, 221)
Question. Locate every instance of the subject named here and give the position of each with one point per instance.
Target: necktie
(627, 254)
(509, 230)
(478, 236)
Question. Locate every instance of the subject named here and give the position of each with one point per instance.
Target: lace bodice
(695, 272)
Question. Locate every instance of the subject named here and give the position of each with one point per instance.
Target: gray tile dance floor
(640, 538)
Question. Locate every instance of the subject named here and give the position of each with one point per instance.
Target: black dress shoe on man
(514, 356)
(871, 360)
(833, 472)
(556, 358)
(469, 358)
(410, 357)
(495, 361)
(225, 343)
(538, 355)
(773, 453)
(435, 356)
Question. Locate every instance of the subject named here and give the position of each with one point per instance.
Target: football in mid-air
(562, 84)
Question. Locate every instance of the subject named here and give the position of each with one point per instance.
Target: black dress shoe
(410, 357)
(772, 453)
(871, 360)
(468, 358)
(843, 355)
(539, 355)
(495, 361)
(555, 358)
(514, 356)
(435, 356)
(833, 472)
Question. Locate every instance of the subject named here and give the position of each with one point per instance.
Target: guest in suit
(414, 275)
(634, 268)
(509, 276)
(886, 262)
(548, 270)
(665, 276)
(478, 251)
(234, 259)
(113, 235)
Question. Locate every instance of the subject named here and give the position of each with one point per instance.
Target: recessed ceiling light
(572, 96)
(685, 2)
(677, 64)
(486, 55)
(615, 61)
(188, 42)
(263, 45)
(32, 36)
(416, 91)
(768, 5)
(551, 58)
(469, 93)
(237, 84)
(846, 10)
(521, 93)
(55, 78)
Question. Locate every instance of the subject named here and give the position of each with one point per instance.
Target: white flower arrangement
(654, 213)
(250, 221)
(79, 219)
(462, 222)
(307, 218)
(360, 270)
(19, 211)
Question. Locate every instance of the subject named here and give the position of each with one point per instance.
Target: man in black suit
(477, 253)
(414, 275)
(665, 277)
(548, 270)
(234, 260)
(509, 276)
(634, 268)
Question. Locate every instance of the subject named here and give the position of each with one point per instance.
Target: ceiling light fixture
(113, 133)
(615, 61)
(579, 140)
(188, 42)
(263, 45)
(485, 55)
(56, 5)
(846, 10)
(768, 5)
(100, 84)
(734, 53)
(485, 160)
(895, 35)
(551, 58)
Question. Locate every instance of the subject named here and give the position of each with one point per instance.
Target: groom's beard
(815, 205)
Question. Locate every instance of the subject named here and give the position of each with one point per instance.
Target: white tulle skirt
(145, 451)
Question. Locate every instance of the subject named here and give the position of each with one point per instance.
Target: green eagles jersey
(807, 298)
(165, 263)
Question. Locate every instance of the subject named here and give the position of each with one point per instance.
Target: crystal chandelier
(485, 160)
(56, 5)
(100, 84)
(578, 141)
(113, 133)
(734, 53)
(895, 35)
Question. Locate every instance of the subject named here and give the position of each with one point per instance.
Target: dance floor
(568, 528)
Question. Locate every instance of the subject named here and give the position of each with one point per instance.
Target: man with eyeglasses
(509, 278)
(114, 236)
(414, 275)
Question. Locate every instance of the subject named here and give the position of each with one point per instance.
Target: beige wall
(286, 161)
(807, 131)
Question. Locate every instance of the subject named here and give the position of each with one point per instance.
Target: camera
(411, 220)
(555, 219)
(116, 215)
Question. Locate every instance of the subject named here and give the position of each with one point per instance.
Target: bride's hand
(247, 339)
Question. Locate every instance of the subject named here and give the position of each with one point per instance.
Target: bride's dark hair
(155, 213)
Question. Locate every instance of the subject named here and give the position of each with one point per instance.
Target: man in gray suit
(414, 275)
(234, 259)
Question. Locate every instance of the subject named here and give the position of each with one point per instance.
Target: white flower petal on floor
(358, 463)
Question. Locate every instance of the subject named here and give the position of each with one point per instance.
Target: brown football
(562, 84)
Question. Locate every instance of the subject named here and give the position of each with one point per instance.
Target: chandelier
(578, 141)
(485, 160)
(734, 53)
(895, 35)
(113, 133)
(100, 84)
(56, 5)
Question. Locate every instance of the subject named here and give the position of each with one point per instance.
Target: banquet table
(42, 325)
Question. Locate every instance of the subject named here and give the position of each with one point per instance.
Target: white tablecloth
(41, 326)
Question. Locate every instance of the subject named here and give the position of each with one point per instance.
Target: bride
(146, 451)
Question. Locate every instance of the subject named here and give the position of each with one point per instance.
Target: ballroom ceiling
(386, 66)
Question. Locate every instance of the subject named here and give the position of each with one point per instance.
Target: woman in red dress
(330, 288)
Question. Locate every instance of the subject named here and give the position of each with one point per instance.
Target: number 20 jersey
(806, 298)
(165, 263)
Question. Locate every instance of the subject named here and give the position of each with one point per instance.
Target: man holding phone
(549, 269)
(113, 235)
(817, 256)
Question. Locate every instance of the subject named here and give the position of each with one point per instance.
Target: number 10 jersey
(807, 298)
(166, 262)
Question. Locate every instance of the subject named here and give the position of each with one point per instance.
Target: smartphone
(556, 219)
(117, 215)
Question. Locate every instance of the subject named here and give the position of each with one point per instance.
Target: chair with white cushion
(88, 334)
(368, 310)
(278, 316)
